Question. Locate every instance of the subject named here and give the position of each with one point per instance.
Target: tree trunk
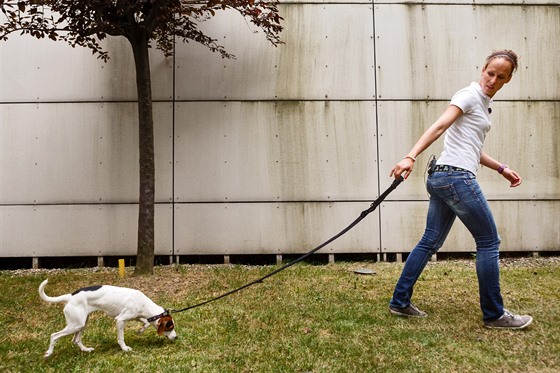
(146, 241)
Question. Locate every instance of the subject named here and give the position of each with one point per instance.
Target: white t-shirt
(462, 145)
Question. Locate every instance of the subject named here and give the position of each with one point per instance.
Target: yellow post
(121, 267)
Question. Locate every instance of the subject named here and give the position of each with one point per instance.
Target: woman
(454, 192)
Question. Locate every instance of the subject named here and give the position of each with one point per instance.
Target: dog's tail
(46, 298)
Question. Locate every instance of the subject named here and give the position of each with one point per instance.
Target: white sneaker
(410, 311)
(510, 321)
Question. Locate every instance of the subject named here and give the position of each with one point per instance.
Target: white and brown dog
(123, 304)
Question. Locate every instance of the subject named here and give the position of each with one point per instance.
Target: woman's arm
(508, 173)
(433, 133)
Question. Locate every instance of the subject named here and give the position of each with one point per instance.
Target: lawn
(308, 318)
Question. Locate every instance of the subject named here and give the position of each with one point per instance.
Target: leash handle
(364, 213)
(397, 182)
(382, 197)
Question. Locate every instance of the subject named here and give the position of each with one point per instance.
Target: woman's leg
(474, 212)
(438, 223)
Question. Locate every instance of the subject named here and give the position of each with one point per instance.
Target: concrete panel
(327, 2)
(446, 2)
(297, 158)
(401, 123)
(270, 228)
(275, 151)
(78, 230)
(320, 59)
(43, 71)
(525, 135)
(435, 48)
(78, 153)
(471, 2)
(402, 226)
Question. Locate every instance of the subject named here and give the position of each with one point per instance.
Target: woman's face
(495, 74)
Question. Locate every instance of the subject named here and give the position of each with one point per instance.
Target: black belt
(446, 168)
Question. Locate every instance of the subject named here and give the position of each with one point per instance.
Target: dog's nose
(172, 335)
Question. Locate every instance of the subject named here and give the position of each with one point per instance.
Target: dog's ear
(165, 323)
(161, 327)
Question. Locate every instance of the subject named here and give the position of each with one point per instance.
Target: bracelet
(409, 157)
(502, 168)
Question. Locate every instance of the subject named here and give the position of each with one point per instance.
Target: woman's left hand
(512, 176)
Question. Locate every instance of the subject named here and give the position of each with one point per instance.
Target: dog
(123, 304)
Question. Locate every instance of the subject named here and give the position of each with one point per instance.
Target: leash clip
(157, 317)
(432, 165)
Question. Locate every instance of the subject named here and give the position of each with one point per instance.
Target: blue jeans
(457, 194)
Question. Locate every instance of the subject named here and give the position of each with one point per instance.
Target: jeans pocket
(447, 193)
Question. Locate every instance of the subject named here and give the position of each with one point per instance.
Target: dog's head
(165, 325)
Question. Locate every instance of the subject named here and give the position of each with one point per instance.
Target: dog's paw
(87, 349)
(47, 354)
(126, 349)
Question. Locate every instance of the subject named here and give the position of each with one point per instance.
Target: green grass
(305, 319)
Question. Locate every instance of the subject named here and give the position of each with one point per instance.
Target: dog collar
(157, 317)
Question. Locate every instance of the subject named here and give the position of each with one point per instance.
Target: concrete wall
(280, 149)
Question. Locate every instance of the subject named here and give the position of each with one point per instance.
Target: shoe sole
(511, 327)
(398, 313)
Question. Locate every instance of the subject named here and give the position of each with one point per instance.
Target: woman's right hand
(403, 168)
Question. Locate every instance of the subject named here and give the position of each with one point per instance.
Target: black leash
(364, 213)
